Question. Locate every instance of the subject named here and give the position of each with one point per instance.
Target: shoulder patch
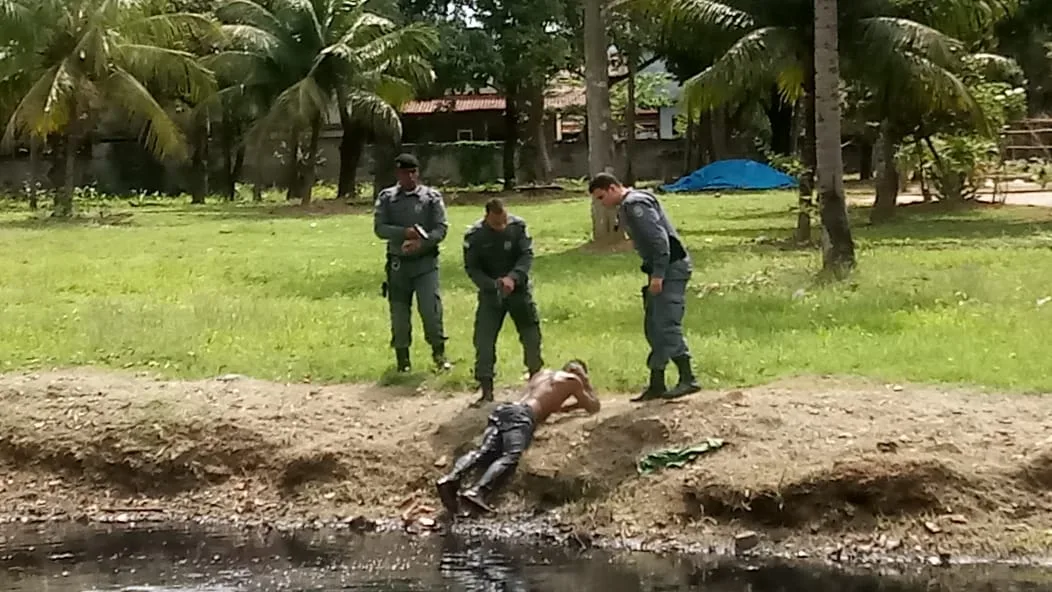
(636, 210)
(376, 203)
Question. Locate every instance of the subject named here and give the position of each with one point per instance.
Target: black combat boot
(487, 392)
(438, 354)
(656, 390)
(687, 384)
(402, 359)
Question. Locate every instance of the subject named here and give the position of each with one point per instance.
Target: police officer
(412, 219)
(498, 255)
(668, 268)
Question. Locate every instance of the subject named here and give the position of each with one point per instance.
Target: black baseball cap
(407, 161)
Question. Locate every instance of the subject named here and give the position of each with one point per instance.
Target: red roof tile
(487, 102)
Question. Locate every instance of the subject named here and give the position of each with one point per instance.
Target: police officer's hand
(506, 285)
(412, 234)
(656, 285)
(411, 245)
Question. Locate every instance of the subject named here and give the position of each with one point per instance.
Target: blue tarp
(732, 174)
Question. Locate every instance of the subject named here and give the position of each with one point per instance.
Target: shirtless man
(510, 431)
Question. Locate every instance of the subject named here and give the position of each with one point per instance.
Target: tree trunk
(536, 162)
(865, 160)
(385, 149)
(351, 146)
(808, 159)
(64, 198)
(887, 176)
(600, 129)
(310, 168)
(32, 193)
(688, 139)
(780, 117)
(293, 155)
(718, 133)
(630, 118)
(198, 165)
(511, 135)
(228, 136)
(838, 247)
(257, 183)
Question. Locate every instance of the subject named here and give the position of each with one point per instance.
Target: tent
(732, 174)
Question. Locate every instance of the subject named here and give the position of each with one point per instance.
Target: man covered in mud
(510, 431)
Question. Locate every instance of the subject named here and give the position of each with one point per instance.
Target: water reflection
(82, 559)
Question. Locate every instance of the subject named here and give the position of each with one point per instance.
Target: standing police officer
(668, 268)
(412, 219)
(498, 255)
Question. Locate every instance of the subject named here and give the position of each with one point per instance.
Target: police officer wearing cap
(412, 219)
(498, 255)
(668, 268)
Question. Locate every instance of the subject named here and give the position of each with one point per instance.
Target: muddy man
(510, 431)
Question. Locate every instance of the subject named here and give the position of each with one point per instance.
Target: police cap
(407, 161)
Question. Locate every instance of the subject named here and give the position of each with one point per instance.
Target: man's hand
(656, 285)
(411, 234)
(506, 284)
(411, 246)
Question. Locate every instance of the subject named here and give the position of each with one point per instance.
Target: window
(465, 135)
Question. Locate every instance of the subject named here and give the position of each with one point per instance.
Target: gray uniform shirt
(654, 236)
(490, 255)
(398, 209)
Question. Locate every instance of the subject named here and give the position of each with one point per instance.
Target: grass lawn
(939, 296)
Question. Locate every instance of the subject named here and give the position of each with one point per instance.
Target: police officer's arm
(524, 262)
(651, 236)
(473, 266)
(382, 219)
(439, 225)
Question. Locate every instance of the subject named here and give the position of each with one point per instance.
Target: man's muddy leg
(514, 442)
(449, 485)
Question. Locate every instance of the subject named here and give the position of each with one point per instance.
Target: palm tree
(79, 57)
(772, 43)
(304, 58)
(838, 248)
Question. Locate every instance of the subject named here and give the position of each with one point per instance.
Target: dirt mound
(816, 458)
(832, 496)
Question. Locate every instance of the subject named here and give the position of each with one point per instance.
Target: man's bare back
(549, 390)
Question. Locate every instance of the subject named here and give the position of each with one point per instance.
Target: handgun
(420, 231)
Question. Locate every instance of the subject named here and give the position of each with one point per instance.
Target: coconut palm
(838, 248)
(773, 43)
(73, 59)
(306, 57)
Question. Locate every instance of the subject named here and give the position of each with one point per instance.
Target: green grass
(939, 296)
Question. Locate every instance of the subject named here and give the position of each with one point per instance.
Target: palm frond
(163, 136)
(299, 16)
(170, 30)
(15, 13)
(295, 106)
(413, 69)
(887, 35)
(247, 12)
(244, 67)
(176, 71)
(254, 39)
(996, 67)
(46, 108)
(755, 61)
(706, 13)
(375, 113)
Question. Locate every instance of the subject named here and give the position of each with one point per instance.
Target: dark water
(182, 560)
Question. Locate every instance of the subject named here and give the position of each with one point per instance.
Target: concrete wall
(124, 167)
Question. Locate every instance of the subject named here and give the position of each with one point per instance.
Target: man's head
(606, 188)
(496, 215)
(407, 171)
(577, 367)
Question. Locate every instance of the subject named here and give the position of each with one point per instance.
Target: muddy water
(83, 558)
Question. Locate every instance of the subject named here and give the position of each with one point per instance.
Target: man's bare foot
(475, 499)
(447, 492)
